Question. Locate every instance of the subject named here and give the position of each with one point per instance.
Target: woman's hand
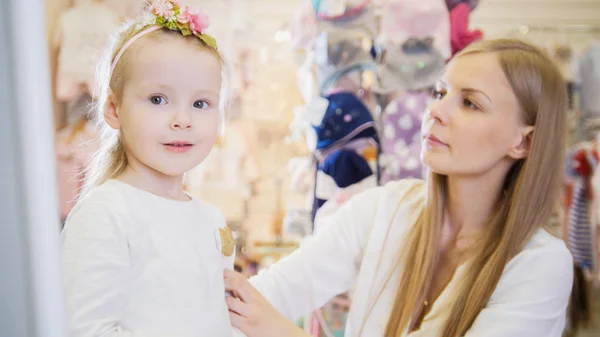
(252, 314)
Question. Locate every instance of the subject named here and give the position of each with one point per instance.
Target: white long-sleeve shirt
(359, 245)
(139, 265)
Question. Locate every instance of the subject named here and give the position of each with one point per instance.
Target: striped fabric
(580, 231)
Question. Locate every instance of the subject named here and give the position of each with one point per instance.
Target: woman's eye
(437, 94)
(201, 104)
(158, 100)
(469, 104)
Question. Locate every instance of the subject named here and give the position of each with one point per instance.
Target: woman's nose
(438, 110)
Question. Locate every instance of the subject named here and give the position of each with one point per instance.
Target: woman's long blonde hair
(111, 160)
(531, 189)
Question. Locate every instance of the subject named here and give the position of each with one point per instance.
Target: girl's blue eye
(201, 104)
(158, 100)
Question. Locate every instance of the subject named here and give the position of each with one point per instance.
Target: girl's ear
(111, 112)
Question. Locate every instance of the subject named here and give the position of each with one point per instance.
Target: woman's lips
(433, 141)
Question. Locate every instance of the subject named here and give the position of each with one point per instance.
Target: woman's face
(474, 124)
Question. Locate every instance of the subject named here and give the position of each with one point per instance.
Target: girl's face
(168, 115)
(475, 124)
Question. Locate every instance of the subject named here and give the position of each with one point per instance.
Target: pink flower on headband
(164, 8)
(197, 20)
(184, 16)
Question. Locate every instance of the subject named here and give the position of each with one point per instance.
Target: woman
(463, 254)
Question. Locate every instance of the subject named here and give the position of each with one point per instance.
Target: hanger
(333, 79)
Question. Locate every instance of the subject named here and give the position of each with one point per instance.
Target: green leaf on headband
(161, 21)
(185, 32)
(172, 25)
(209, 40)
(183, 28)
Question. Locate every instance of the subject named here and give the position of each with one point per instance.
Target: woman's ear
(521, 149)
(111, 112)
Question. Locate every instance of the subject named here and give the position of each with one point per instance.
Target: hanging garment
(82, 35)
(460, 35)
(595, 215)
(342, 52)
(339, 9)
(451, 4)
(420, 19)
(124, 8)
(401, 138)
(414, 65)
(74, 148)
(225, 177)
(303, 29)
(347, 146)
(78, 107)
(589, 66)
(307, 83)
(365, 19)
(580, 231)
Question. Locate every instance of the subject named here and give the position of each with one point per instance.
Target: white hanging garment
(84, 32)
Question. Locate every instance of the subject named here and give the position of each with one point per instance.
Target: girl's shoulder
(101, 212)
(107, 198)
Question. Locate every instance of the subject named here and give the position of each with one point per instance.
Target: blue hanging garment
(347, 146)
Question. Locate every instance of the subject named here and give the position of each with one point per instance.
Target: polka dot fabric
(401, 138)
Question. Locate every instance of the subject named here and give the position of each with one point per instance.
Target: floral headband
(168, 14)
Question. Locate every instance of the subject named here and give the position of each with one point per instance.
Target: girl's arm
(96, 268)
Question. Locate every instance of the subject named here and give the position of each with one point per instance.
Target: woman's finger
(239, 286)
(228, 273)
(238, 322)
(237, 306)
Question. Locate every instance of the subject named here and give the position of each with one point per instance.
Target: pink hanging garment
(420, 19)
(304, 27)
(74, 149)
(460, 35)
(83, 34)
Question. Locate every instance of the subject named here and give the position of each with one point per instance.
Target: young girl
(143, 258)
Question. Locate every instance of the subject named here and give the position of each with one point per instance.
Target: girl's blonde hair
(531, 188)
(110, 160)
